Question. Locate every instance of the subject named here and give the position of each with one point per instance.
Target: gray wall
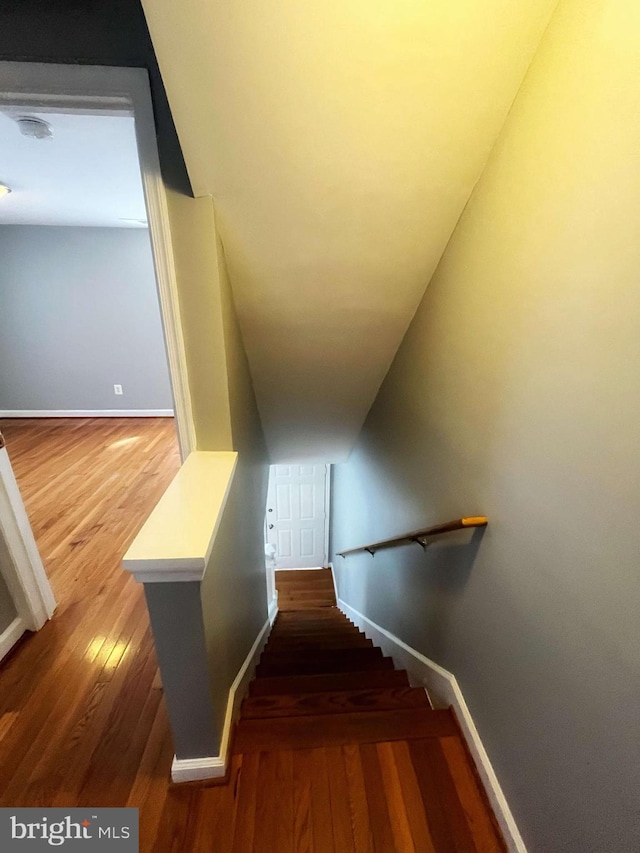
(79, 312)
(516, 394)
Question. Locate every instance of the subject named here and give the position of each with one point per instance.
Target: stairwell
(336, 751)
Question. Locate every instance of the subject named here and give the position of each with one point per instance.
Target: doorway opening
(94, 400)
(297, 519)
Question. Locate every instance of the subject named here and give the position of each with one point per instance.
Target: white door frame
(94, 89)
(22, 567)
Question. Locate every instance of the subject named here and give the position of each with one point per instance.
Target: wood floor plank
(274, 803)
(321, 820)
(434, 810)
(398, 818)
(245, 827)
(474, 803)
(415, 810)
(339, 792)
(302, 816)
(213, 814)
(378, 810)
(444, 811)
(358, 804)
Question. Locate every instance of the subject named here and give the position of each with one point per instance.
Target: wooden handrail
(419, 536)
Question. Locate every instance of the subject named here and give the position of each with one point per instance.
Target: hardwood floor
(82, 721)
(81, 717)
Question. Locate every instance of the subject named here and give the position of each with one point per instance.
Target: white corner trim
(86, 413)
(175, 542)
(24, 573)
(327, 512)
(443, 685)
(335, 582)
(197, 769)
(273, 608)
(215, 766)
(11, 635)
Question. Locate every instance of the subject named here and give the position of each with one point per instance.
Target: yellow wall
(195, 254)
(516, 394)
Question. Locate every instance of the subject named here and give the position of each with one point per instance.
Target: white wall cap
(175, 542)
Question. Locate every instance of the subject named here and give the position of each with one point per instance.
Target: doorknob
(271, 527)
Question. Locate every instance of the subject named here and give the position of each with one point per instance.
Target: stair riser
(323, 614)
(318, 667)
(320, 645)
(341, 729)
(373, 679)
(333, 703)
(301, 574)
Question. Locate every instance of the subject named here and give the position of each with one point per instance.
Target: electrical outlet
(117, 389)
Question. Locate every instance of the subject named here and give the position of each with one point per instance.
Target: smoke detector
(34, 128)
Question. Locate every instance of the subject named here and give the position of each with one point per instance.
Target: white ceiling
(87, 174)
(340, 140)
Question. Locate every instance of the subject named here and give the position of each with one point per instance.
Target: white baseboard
(11, 635)
(198, 769)
(273, 608)
(443, 687)
(87, 413)
(215, 766)
(300, 569)
(335, 582)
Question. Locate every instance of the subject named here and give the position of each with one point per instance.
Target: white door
(297, 515)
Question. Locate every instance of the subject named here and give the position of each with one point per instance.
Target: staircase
(353, 757)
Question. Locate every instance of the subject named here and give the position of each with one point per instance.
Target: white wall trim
(443, 685)
(335, 582)
(327, 513)
(24, 573)
(98, 89)
(273, 608)
(86, 413)
(11, 635)
(176, 540)
(215, 766)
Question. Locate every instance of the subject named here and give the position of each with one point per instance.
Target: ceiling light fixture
(34, 128)
(4, 190)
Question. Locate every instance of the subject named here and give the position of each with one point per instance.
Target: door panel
(296, 515)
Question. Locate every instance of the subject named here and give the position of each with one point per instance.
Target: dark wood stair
(333, 702)
(324, 701)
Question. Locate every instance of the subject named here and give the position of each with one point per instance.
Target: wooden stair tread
(328, 681)
(333, 702)
(325, 730)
